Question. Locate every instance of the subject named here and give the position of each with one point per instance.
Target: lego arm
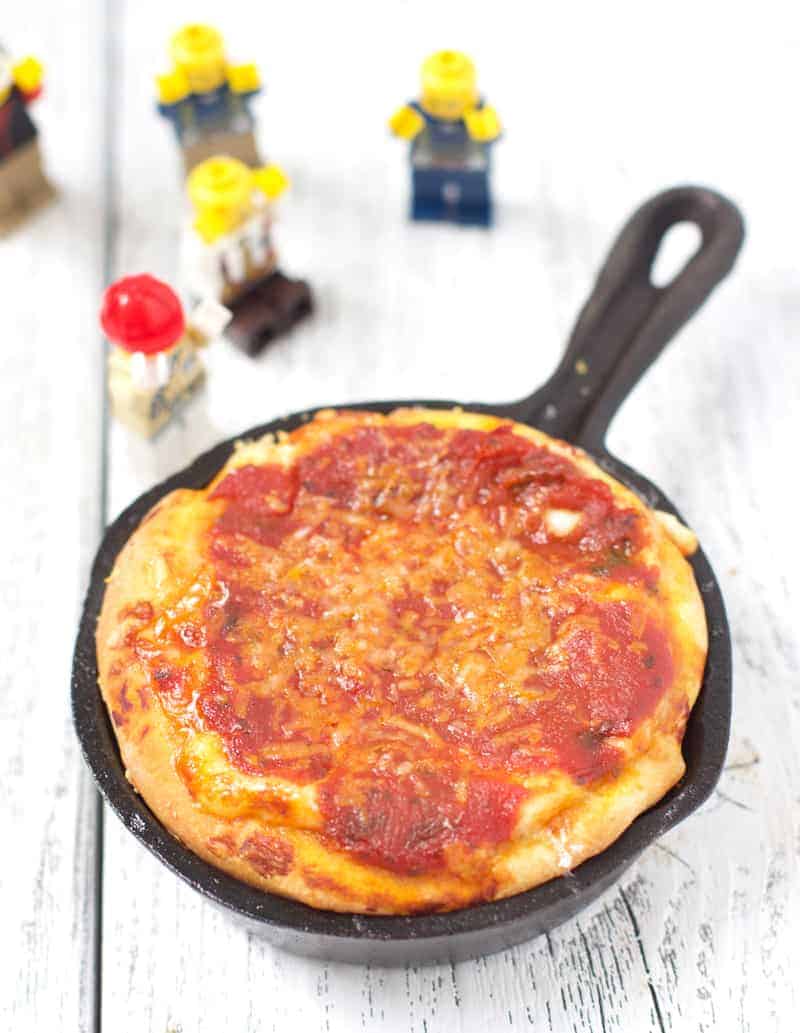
(171, 89)
(271, 181)
(406, 123)
(210, 225)
(483, 124)
(244, 80)
(28, 77)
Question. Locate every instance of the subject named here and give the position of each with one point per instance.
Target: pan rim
(95, 735)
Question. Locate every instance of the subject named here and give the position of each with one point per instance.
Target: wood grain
(603, 107)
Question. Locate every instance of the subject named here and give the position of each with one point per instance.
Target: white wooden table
(603, 106)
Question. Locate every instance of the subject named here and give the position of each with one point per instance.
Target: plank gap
(111, 97)
(645, 963)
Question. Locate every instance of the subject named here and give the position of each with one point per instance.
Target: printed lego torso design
(215, 111)
(144, 391)
(446, 143)
(226, 267)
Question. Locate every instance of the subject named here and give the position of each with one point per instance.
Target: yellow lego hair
(449, 84)
(198, 52)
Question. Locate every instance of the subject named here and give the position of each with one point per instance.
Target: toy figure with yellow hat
(229, 253)
(451, 132)
(206, 99)
(154, 362)
(23, 184)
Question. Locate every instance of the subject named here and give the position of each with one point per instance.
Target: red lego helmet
(142, 314)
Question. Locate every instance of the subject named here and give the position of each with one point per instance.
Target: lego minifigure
(229, 254)
(451, 131)
(154, 363)
(208, 100)
(23, 184)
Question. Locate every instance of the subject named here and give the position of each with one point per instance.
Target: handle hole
(679, 245)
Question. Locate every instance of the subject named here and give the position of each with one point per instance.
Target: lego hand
(406, 123)
(28, 75)
(244, 79)
(271, 180)
(207, 321)
(483, 124)
(172, 87)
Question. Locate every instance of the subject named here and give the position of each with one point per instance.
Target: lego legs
(23, 185)
(269, 308)
(452, 195)
(475, 204)
(231, 144)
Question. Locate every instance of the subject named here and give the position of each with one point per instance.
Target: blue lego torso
(445, 143)
(219, 110)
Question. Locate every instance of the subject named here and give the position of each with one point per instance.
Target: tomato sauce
(400, 621)
(404, 823)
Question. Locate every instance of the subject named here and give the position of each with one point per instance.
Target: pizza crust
(267, 831)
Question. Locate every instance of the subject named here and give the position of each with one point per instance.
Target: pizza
(402, 663)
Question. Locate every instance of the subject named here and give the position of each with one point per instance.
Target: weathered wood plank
(697, 935)
(50, 443)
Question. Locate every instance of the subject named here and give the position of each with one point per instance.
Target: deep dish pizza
(402, 663)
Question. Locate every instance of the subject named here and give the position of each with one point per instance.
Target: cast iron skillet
(622, 328)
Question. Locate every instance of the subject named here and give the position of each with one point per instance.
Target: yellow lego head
(198, 52)
(221, 193)
(449, 84)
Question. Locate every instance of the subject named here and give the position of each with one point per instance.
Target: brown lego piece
(24, 187)
(267, 309)
(232, 145)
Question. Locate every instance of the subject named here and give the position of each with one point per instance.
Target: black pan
(622, 328)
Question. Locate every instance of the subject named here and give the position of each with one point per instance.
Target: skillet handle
(627, 320)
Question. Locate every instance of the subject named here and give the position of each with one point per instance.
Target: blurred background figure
(23, 184)
(207, 100)
(451, 132)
